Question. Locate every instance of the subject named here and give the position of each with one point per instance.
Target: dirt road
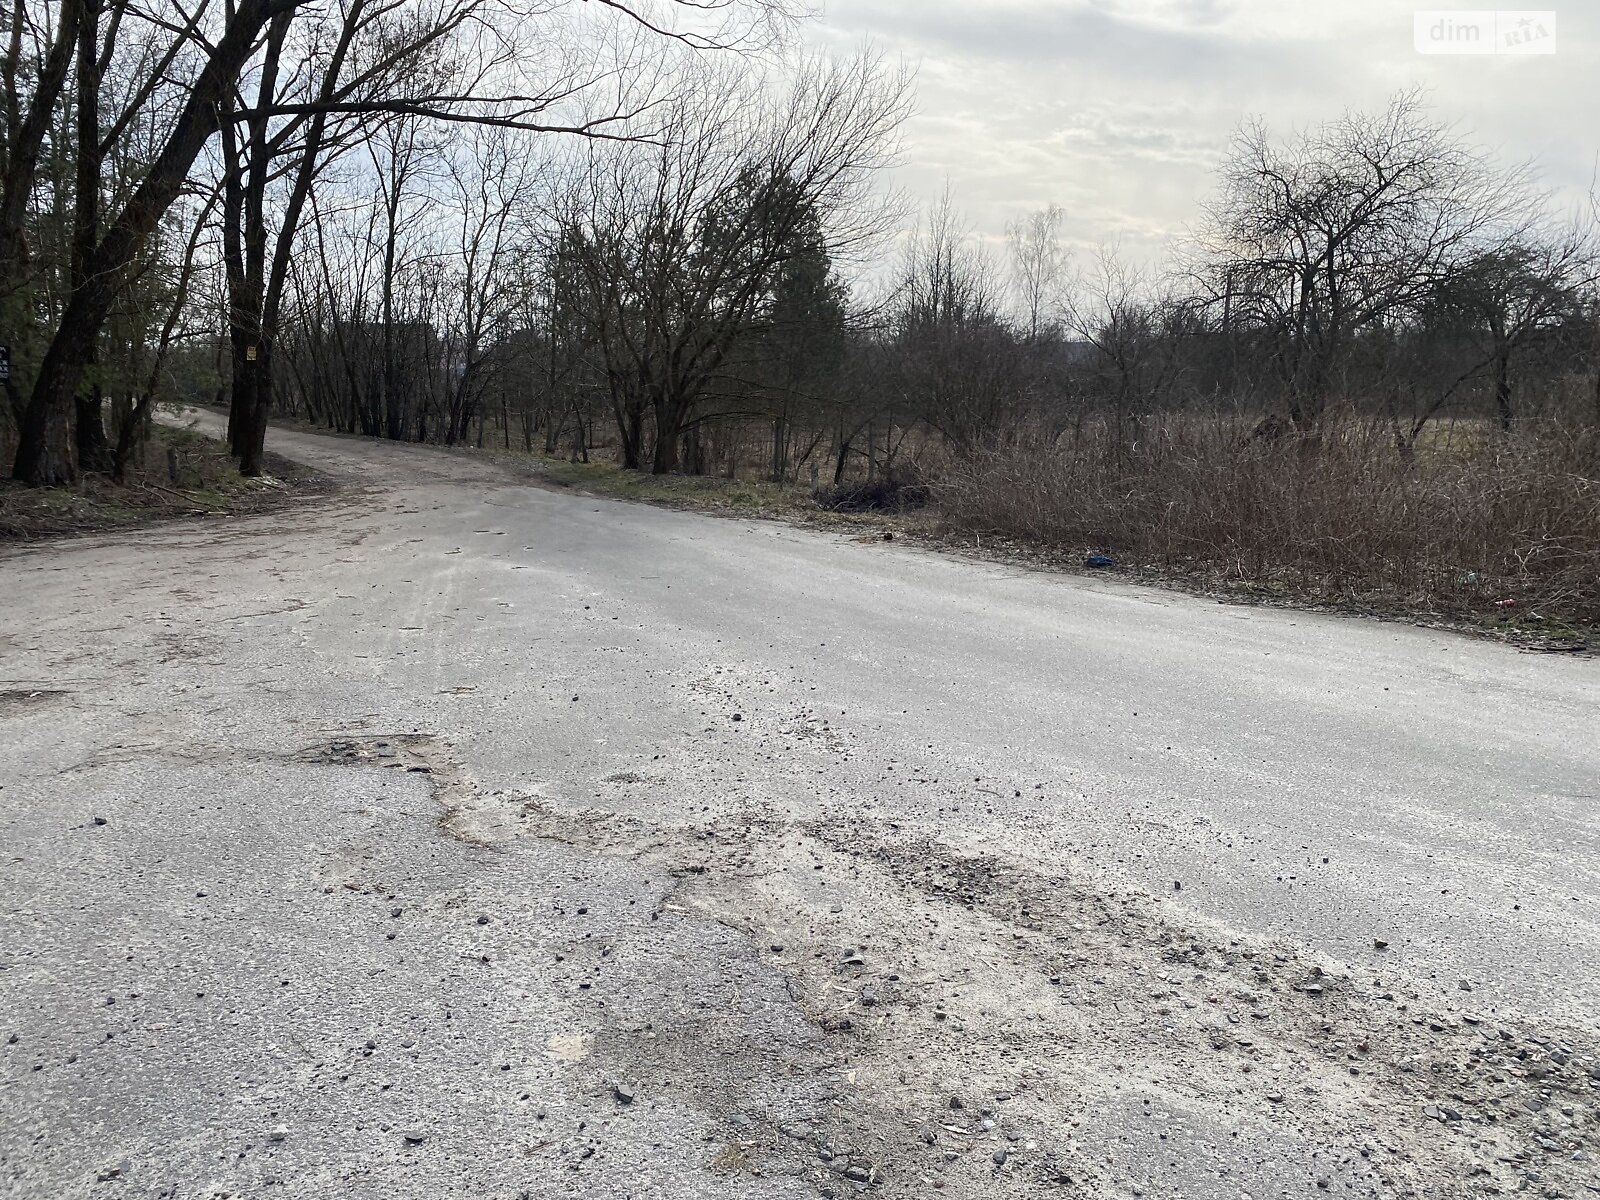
(460, 837)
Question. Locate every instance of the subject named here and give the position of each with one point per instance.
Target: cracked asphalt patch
(290, 1001)
(999, 1022)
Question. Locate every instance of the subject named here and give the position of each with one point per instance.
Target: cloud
(1164, 41)
(1120, 110)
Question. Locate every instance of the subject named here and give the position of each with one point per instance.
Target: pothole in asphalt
(464, 815)
(992, 1021)
(977, 1019)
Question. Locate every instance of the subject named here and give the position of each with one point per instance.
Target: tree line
(653, 231)
(162, 158)
(728, 298)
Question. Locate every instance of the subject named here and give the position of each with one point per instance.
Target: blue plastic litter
(1099, 560)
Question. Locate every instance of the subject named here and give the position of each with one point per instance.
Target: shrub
(891, 494)
(1461, 525)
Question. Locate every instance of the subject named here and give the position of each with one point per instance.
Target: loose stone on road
(358, 851)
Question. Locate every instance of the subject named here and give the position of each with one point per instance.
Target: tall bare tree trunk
(42, 455)
(24, 140)
(669, 428)
(253, 347)
(1503, 406)
(94, 453)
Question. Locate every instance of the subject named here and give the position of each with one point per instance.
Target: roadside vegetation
(652, 242)
(1487, 528)
(705, 493)
(174, 474)
(1504, 543)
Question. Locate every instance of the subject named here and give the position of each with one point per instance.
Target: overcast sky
(1118, 110)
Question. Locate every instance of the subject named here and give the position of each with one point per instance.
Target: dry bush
(896, 493)
(1342, 516)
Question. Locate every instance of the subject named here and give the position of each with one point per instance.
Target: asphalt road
(587, 692)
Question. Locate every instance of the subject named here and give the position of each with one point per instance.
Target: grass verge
(1400, 544)
(180, 474)
(702, 493)
(1503, 537)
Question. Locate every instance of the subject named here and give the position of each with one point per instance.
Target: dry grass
(705, 493)
(1340, 519)
(206, 483)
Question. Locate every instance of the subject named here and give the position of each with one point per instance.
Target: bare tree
(1518, 292)
(954, 359)
(1038, 265)
(1129, 324)
(285, 81)
(681, 246)
(1351, 221)
(35, 69)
